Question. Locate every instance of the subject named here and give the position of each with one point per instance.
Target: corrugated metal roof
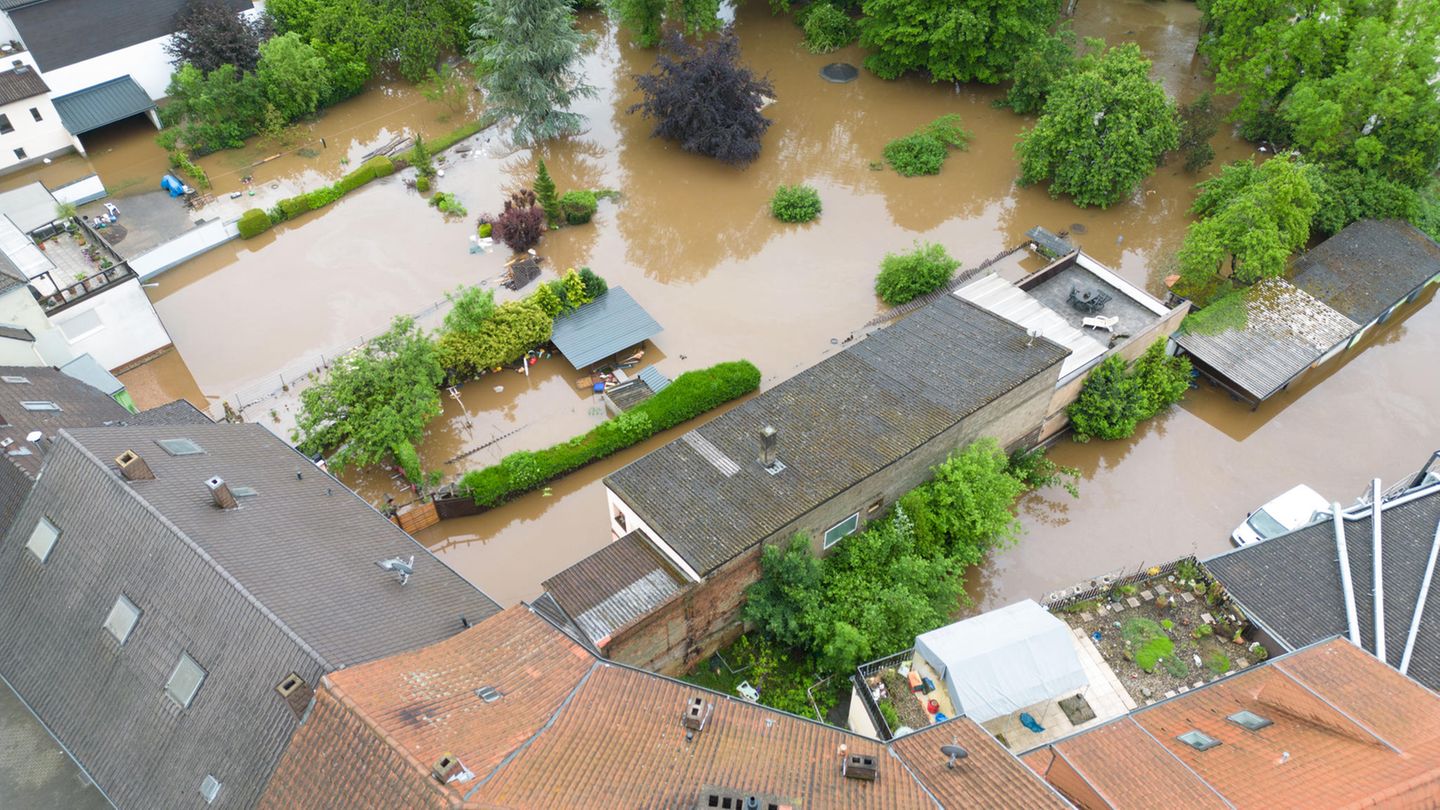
(1286, 329)
(105, 103)
(1014, 304)
(654, 379)
(1367, 267)
(614, 586)
(610, 323)
(30, 206)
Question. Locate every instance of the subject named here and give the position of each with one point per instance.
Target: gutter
(1420, 602)
(1352, 622)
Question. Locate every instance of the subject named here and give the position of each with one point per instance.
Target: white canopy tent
(1004, 660)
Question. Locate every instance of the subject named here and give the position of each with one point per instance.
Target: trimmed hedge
(578, 206)
(253, 223)
(690, 395)
(291, 207)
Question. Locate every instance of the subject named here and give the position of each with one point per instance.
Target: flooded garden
(694, 242)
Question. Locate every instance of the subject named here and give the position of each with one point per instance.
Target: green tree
(448, 85)
(409, 35)
(1199, 121)
(528, 52)
(1109, 405)
(647, 19)
(513, 328)
(1348, 194)
(470, 308)
(786, 596)
(1251, 218)
(1038, 68)
(545, 193)
(215, 110)
(1104, 129)
(294, 75)
(969, 41)
(966, 508)
(374, 403)
(906, 276)
(547, 299)
(576, 293)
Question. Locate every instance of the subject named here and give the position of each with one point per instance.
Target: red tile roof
(989, 777)
(1346, 730)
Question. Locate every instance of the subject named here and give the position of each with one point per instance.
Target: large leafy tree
(374, 403)
(703, 98)
(966, 509)
(953, 40)
(1105, 126)
(529, 54)
(1251, 218)
(1038, 68)
(294, 74)
(647, 19)
(409, 35)
(208, 34)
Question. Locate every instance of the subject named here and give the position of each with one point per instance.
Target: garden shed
(612, 322)
(1000, 662)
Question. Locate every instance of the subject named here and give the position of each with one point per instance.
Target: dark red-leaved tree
(519, 226)
(209, 33)
(702, 97)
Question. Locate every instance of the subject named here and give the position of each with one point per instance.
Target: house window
(42, 539)
(35, 113)
(5, 126)
(210, 788)
(1198, 740)
(181, 447)
(19, 154)
(39, 405)
(122, 619)
(839, 530)
(185, 681)
(620, 520)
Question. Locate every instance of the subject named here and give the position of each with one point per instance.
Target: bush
(905, 276)
(422, 183)
(522, 222)
(891, 718)
(376, 167)
(795, 204)
(1114, 400)
(578, 206)
(924, 150)
(1217, 662)
(512, 329)
(690, 395)
(827, 28)
(595, 286)
(1203, 631)
(448, 204)
(253, 223)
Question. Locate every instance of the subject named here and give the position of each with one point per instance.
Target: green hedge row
(690, 395)
(291, 207)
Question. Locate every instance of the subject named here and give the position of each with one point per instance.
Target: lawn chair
(1102, 322)
(748, 692)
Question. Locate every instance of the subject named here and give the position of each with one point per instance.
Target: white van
(1298, 507)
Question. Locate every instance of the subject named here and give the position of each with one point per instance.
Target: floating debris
(839, 72)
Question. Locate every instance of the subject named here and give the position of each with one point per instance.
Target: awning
(105, 103)
(607, 325)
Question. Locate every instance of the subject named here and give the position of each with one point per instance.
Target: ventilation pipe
(1352, 621)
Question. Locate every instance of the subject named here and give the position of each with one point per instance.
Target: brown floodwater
(693, 241)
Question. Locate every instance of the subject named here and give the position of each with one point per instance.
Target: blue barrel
(172, 184)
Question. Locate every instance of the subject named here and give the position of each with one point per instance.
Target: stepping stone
(1207, 618)
(1182, 690)
(1170, 693)
(1161, 588)
(1117, 607)
(1147, 595)
(1133, 602)
(1149, 703)
(1241, 663)
(1084, 617)
(1187, 596)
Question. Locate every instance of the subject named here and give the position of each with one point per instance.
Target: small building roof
(839, 421)
(1285, 330)
(1012, 303)
(989, 776)
(616, 585)
(1291, 584)
(88, 370)
(19, 83)
(654, 379)
(1344, 730)
(1368, 267)
(76, 404)
(104, 103)
(611, 323)
(64, 32)
(30, 206)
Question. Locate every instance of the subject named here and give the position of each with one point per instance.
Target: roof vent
(723, 799)
(770, 450)
(489, 694)
(859, 766)
(697, 712)
(449, 769)
(133, 467)
(220, 492)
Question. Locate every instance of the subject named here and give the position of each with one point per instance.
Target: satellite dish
(402, 567)
(33, 436)
(954, 752)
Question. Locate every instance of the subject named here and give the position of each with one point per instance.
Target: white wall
(38, 138)
(614, 504)
(115, 327)
(18, 307)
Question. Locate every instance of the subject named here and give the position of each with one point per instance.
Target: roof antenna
(954, 752)
(299, 476)
(402, 567)
(1033, 333)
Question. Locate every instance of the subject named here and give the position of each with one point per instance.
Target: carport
(105, 103)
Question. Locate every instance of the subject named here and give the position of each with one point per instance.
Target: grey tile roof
(63, 32)
(307, 547)
(105, 103)
(839, 422)
(17, 84)
(179, 412)
(1367, 267)
(1291, 583)
(1286, 330)
(609, 324)
(81, 405)
(10, 275)
(15, 332)
(615, 586)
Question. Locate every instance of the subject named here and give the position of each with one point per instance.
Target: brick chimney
(220, 491)
(769, 446)
(133, 467)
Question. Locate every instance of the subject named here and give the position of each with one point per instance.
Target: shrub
(1114, 400)
(892, 719)
(1167, 625)
(1147, 655)
(905, 276)
(448, 204)
(545, 195)
(795, 204)
(522, 222)
(578, 206)
(1203, 631)
(1217, 662)
(924, 150)
(690, 395)
(1176, 666)
(253, 223)
(514, 328)
(595, 286)
(827, 28)
(422, 183)
(575, 294)
(547, 299)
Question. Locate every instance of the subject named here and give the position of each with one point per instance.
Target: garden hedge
(291, 207)
(690, 395)
(253, 223)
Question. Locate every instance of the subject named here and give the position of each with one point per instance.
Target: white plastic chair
(1102, 322)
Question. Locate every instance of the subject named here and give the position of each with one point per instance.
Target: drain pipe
(1352, 622)
(1420, 601)
(1379, 577)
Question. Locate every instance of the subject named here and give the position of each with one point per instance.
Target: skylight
(14, 380)
(39, 405)
(180, 447)
(1198, 740)
(1249, 720)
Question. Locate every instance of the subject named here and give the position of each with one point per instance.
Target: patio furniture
(1102, 322)
(916, 684)
(1087, 300)
(748, 692)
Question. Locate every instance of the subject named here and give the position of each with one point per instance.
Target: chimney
(220, 491)
(695, 714)
(447, 768)
(133, 467)
(769, 446)
(859, 766)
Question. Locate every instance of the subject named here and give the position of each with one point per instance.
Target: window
(122, 619)
(839, 530)
(244, 492)
(620, 519)
(185, 681)
(5, 126)
(39, 405)
(1198, 740)
(874, 509)
(35, 113)
(15, 380)
(42, 539)
(20, 154)
(1249, 720)
(210, 788)
(81, 326)
(180, 447)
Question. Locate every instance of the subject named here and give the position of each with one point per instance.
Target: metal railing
(1101, 585)
(860, 680)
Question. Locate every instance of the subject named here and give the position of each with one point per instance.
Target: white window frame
(122, 607)
(170, 691)
(853, 520)
(210, 788)
(46, 405)
(42, 548)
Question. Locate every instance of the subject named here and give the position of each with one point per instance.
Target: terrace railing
(862, 687)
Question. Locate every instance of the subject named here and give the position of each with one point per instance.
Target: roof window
(180, 447)
(244, 492)
(185, 681)
(42, 539)
(210, 788)
(1198, 740)
(39, 405)
(122, 619)
(14, 380)
(1249, 720)
(489, 694)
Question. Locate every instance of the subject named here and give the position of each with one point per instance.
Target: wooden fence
(416, 517)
